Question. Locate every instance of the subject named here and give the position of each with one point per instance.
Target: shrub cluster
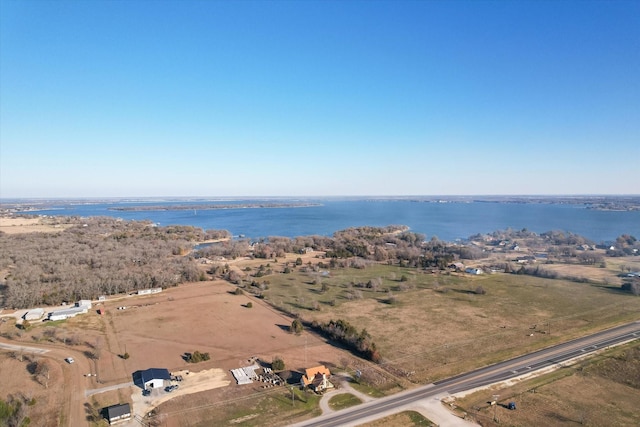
(277, 364)
(341, 331)
(197, 357)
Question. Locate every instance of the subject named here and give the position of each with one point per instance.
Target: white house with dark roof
(151, 378)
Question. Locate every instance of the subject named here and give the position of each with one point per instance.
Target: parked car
(69, 360)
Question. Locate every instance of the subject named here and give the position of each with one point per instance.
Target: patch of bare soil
(193, 382)
(158, 330)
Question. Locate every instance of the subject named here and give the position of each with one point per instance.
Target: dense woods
(97, 256)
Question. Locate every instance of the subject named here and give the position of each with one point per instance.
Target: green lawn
(344, 400)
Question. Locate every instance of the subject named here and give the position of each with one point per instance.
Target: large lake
(447, 221)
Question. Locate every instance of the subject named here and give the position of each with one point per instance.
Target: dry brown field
(29, 225)
(19, 382)
(440, 327)
(157, 330)
(593, 392)
(206, 316)
(611, 275)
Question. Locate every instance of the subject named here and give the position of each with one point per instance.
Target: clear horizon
(259, 99)
(352, 196)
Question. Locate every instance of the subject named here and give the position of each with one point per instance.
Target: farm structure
(248, 374)
(151, 378)
(81, 307)
(117, 413)
(34, 314)
(245, 375)
(149, 291)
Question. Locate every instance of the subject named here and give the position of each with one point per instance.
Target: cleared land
(19, 225)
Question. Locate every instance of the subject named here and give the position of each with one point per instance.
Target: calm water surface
(447, 221)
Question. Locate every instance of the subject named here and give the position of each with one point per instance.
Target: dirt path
(115, 367)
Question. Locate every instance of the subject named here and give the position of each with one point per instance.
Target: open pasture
(436, 325)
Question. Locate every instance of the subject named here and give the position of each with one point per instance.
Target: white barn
(151, 378)
(66, 313)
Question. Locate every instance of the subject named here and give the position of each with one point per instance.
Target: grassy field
(402, 419)
(344, 400)
(434, 322)
(602, 391)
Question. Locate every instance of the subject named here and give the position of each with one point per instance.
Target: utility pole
(495, 407)
(549, 327)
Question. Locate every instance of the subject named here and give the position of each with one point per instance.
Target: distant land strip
(210, 207)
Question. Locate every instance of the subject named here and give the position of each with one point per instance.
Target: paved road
(531, 362)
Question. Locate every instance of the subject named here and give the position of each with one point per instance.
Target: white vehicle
(69, 360)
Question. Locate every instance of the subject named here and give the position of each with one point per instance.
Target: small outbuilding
(456, 266)
(84, 304)
(35, 314)
(151, 378)
(117, 413)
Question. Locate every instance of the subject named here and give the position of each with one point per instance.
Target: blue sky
(270, 98)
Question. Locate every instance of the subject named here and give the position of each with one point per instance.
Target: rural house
(317, 379)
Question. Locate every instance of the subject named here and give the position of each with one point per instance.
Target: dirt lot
(207, 317)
